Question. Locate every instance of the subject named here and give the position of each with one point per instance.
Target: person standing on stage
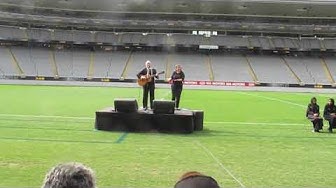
(329, 114)
(176, 80)
(149, 87)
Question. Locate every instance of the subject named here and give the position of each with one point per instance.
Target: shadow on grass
(302, 136)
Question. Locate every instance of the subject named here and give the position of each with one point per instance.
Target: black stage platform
(182, 121)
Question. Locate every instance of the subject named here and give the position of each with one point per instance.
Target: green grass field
(251, 139)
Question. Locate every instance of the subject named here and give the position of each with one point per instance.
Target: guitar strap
(147, 72)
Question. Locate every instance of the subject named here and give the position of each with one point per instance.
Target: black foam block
(126, 105)
(163, 107)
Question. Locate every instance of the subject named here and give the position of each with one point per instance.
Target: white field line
(24, 116)
(275, 99)
(316, 94)
(219, 163)
(45, 116)
(250, 123)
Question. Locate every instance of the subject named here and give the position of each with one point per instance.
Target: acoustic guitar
(146, 79)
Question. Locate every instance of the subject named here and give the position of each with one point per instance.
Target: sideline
(207, 151)
(160, 85)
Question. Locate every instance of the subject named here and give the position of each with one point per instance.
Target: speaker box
(163, 107)
(198, 116)
(126, 105)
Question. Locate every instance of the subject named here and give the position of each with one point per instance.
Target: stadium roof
(296, 8)
(282, 16)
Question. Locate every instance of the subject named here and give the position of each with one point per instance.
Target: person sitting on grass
(70, 175)
(329, 114)
(194, 179)
(313, 114)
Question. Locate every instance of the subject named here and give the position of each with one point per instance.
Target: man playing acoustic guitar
(146, 78)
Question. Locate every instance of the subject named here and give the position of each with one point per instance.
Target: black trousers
(176, 94)
(148, 88)
(317, 124)
(332, 122)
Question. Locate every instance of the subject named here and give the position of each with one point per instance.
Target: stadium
(252, 66)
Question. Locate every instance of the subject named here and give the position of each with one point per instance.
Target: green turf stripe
(44, 128)
(54, 140)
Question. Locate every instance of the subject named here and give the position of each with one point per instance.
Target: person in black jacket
(148, 74)
(329, 114)
(195, 179)
(176, 80)
(313, 114)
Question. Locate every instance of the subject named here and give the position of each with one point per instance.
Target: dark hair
(332, 101)
(311, 100)
(69, 175)
(195, 179)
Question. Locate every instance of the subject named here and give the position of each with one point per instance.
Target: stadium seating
(154, 39)
(85, 63)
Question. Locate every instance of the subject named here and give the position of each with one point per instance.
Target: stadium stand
(23, 58)
(278, 48)
(194, 64)
(138, 60)
(64, 61)
(330, 43)
(230, 68)
(8, 65)
(84, 63)
(109, 64)
(152, 39)
(330, 68)
(271, 69)
(39, 35)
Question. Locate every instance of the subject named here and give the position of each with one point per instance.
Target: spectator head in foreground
(69, 175)
(195, 179)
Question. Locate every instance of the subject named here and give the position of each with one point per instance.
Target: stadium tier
(47, 35)
(85, 63)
